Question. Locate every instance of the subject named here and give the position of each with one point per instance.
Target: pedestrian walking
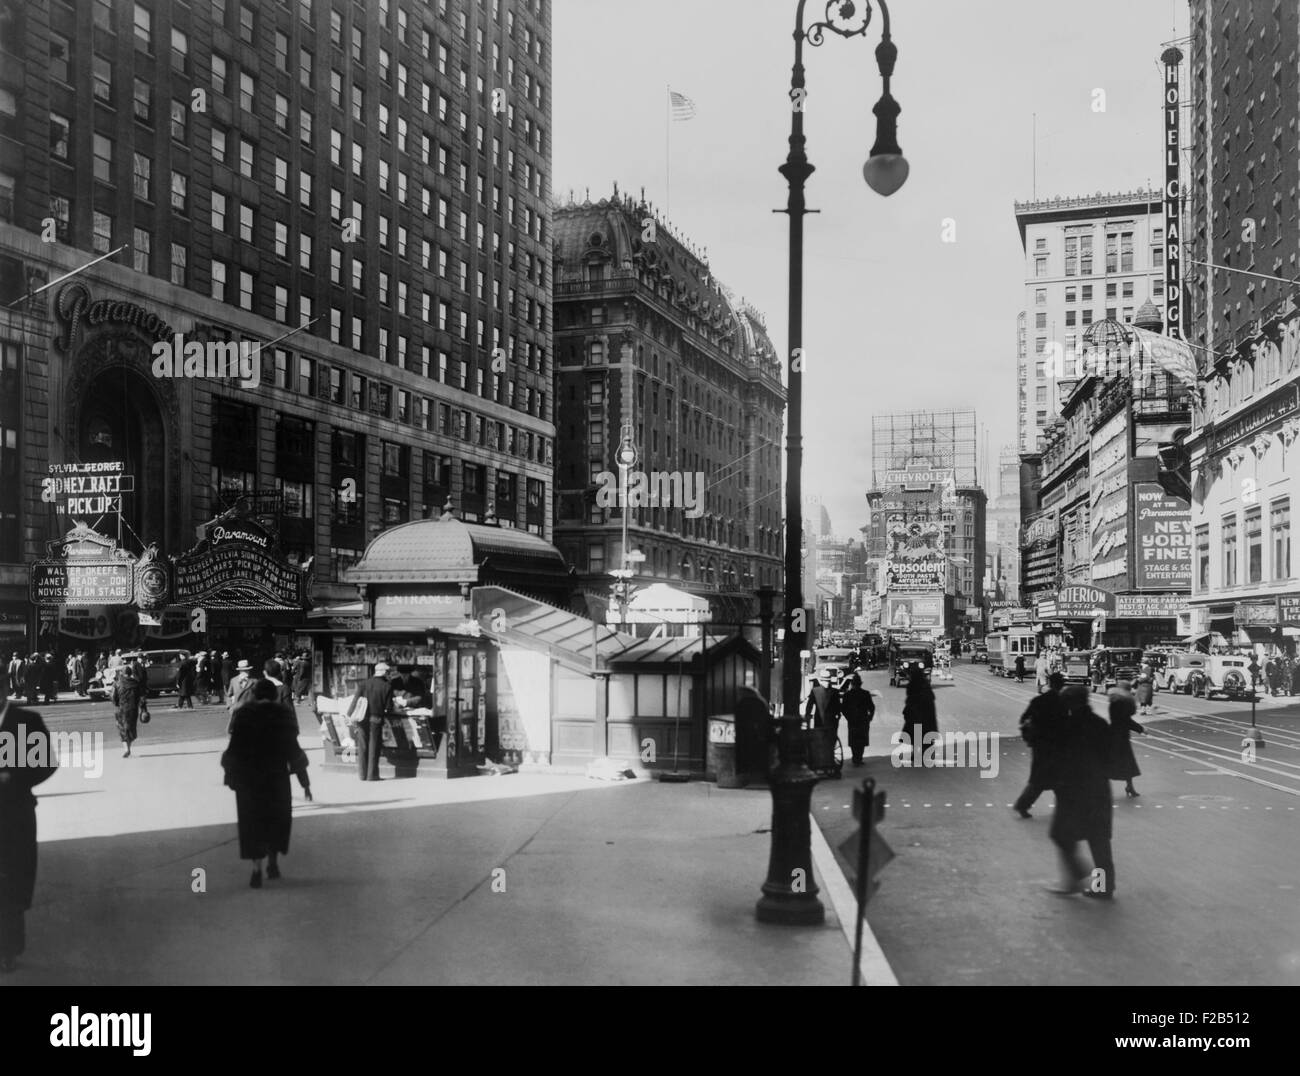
(50, 679)
(920, 714)
(130, 691)
(15, 678)
(227, 669)
(262, 753)
(1144, 687)
(1020, 668)
(186, 675)
(377, 692)
(240, 684)
(302, 676)
(823, 707)
(1123, 763)
(83, 674)
(859, 710)
(1040, 728)
(273, 670)
(1042, 667)
(1083, 806)
(203, 677)
(18, 848)
(32, 677)
(956, 650)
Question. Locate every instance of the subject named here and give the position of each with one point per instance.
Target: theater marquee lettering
(74, 307)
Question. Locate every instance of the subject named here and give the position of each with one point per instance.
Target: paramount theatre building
(200, 175)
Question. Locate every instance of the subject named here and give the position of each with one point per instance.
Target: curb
(873, 964)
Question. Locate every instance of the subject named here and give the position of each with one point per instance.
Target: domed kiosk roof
(450, 550)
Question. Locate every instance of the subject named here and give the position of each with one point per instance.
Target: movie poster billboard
(1162, 547)
(915, 613)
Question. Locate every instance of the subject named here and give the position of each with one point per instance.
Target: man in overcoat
(378, 693)
(18, 776)
(1083, 804)
(1041, 728)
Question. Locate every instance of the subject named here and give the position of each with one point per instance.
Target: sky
(895, 317)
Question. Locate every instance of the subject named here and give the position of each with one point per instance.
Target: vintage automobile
(161, 667)
(1076, 666)
(1180, 669)
(912, 654)
(872, 650)
(1118, 663)
(979, 652)
(1223, 674)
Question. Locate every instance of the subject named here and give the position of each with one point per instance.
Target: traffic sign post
(1254, 735)
(867, 852)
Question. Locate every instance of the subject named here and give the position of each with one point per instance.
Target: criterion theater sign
(83, 568)
(238, 565)
(1077, 603)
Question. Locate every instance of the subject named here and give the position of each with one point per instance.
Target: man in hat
(227, 671)
(378, 693)
(241, 685)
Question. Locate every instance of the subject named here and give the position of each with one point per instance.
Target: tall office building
(651, 350)
(1244, 319)
(1086, 259)
(361, 189)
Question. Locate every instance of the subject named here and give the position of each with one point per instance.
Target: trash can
(721, 753)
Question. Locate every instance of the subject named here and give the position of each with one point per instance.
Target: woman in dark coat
(263, 752)
(18, 826)
(130, 690)
(1020, 668)
(919, 713)
(1145, 687)
(858, 709)
(1123, 764)
(301, 677)
(1083, 807)
(186, 676)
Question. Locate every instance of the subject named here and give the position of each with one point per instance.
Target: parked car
(1179, 670)
(161, 667)
(911, 655)
(1223, 674)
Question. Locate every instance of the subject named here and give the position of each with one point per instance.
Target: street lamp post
(789, 895)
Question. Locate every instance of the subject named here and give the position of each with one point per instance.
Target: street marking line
(874, 965)
(1227, 753)
(1233, 773)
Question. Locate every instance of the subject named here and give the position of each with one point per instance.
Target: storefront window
(295, 499)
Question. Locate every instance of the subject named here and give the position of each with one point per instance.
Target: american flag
(683, 106)
(1171, 355)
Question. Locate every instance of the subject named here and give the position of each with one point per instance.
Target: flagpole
(668, 151)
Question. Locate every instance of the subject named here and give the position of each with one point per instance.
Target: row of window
(1079, 250)
(1244, 534)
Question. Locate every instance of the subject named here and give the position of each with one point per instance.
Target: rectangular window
(247, 91)
(247, 24)
(103, 149)
(218, 211)
(60, 135)
(1202, 559)
(246, 290)
(141, 243)
(180, 120)
(246, 223)
(304, 251)
(1254, 545)
(180, 258)
(281, 239)
(180, 192)
(1230, 551)
(180, 52)
(60, 57)
(102, 237)
(219, 143)
(220, 74)
(281, 51)
(1279, 522)
(143, 28)
(142, 178)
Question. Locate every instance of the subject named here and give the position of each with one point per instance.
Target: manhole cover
(1206, 799)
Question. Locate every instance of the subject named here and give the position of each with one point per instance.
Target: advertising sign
(1150, 606)
(1255, 613)
(88, 490)
(1288, 610)
(93, 583)
(1109, 502)
(929, 573)
(1162, 548)
(920, 478)
(238, 566)
(1171, 58)
(1077, 603)
(916, 613)
(1041, 530)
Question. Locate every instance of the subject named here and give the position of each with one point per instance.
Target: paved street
(1207, 874)
(526, 879)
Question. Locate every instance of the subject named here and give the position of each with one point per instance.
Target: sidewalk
(525, 879)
